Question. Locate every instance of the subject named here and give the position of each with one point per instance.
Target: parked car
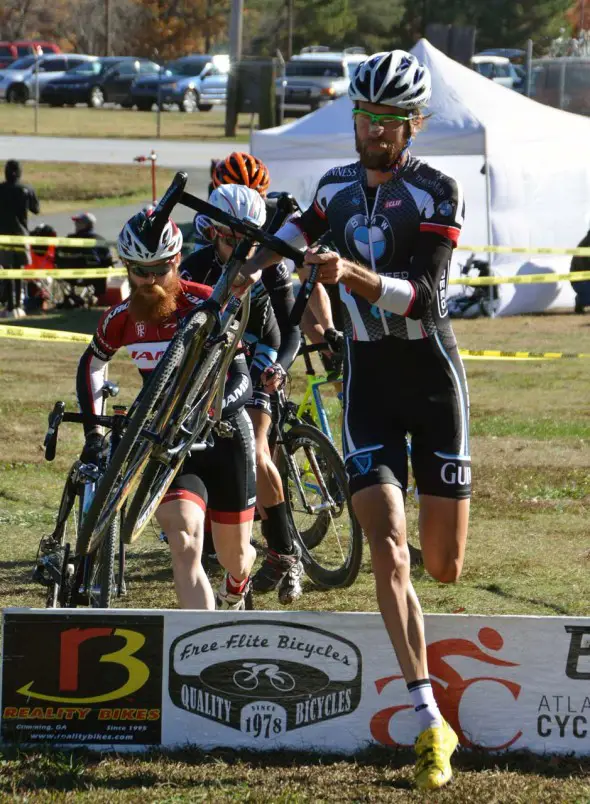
(317, 76)
(98, 81)
(497, 68)
(177, 83)
(562, 82)
(11, 51)
(17, 82)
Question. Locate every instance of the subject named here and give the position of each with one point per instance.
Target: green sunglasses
(378, 119)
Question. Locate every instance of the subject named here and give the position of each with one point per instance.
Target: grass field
(120, 123)
(62, 186)
(528, 553)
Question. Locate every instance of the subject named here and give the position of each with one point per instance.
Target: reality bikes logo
(265, 678)
(100, 680)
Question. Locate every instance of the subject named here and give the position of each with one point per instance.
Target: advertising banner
(79, 678)
(296, 680)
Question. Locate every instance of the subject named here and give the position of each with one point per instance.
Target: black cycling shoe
(274, 568)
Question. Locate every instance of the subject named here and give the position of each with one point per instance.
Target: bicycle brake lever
(54, 420)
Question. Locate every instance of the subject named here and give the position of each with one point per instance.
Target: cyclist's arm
(320, 307)
(90, 379)
(406, 297)
(280, 290)
(299, 231)
(92, 367)
(412, 298)
(238, 386)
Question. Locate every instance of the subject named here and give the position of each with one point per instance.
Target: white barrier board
(296, 680)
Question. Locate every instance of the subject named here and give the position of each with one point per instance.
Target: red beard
(154, 303)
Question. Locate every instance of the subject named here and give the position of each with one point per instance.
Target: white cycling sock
(424, 704)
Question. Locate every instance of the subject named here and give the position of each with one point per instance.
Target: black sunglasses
(145, 271)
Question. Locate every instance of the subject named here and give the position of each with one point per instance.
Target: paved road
(110, 219)
(171, 153)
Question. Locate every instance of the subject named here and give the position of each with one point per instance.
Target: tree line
(169, 28)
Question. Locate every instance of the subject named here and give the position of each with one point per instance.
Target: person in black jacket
(582, 289)
(16, 201)
(98, 256)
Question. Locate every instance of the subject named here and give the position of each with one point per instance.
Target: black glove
(335, 340)
(95, 449)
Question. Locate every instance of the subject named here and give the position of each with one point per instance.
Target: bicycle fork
(328, 504)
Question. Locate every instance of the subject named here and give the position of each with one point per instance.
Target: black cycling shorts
(221, 479)
(405, 397)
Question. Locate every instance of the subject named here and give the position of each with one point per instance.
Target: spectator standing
(16, 201)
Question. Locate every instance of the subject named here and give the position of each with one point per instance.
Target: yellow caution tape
(525, 279)
(27, 240)
(62, 273)
(576, 252)
(496, 354)
(32, 334)
(79, 273)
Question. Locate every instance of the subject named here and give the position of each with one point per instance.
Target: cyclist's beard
(376, 160)
(154, 303)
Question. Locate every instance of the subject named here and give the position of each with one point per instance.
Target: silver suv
(318, 76)
(18, 82)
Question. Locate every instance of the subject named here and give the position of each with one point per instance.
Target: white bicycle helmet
(132, 245)
(395, 78)
(240, 201)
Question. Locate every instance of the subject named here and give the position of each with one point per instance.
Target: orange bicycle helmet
(242, 168)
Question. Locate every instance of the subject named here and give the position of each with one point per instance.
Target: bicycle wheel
(101, 578)
(319, 502)
(158, 476)
(126, 465)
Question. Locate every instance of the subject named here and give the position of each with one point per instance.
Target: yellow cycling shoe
(434, 748)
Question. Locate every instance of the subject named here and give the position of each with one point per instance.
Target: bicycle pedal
(224, 430)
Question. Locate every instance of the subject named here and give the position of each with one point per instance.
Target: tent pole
(488, 213)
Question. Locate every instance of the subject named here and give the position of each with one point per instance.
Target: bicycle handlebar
(252, 232)
(58, 415)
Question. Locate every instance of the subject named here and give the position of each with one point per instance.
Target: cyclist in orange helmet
(242, 168)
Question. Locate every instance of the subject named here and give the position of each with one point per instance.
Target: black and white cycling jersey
(405, 228)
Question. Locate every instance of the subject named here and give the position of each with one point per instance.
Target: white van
(497, 68)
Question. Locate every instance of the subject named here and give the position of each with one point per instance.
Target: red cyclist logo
(449, 693)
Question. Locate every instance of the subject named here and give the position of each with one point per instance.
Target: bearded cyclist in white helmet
(394, 221)
(220, 478)
(273, 342)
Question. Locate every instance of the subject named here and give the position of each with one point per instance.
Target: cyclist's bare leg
(443, 527)
(234, 551)
(182, 522)
(269, 488)
(381, 514)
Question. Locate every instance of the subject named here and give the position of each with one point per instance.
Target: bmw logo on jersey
(363, 234)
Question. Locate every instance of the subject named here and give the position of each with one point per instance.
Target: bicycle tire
(57, 593)
(93, 526)
(158, 476)
(318, 559)
(102, 574)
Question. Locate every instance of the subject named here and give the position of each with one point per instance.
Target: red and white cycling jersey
(146, 342)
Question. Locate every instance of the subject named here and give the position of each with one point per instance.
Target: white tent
(537, 191)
